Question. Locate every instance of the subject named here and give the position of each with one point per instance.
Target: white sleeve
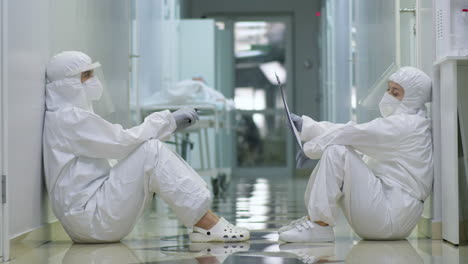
(312, 129)
(381, 135)
(87, 134)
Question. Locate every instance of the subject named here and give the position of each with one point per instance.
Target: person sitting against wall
(97, 202)
(379, 173)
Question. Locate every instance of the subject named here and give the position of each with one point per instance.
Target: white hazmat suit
(94, 201)
(379, 172)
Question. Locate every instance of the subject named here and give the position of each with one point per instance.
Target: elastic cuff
(172, 122)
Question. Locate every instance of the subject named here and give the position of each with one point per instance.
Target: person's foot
(309, 253)
(223, 231)
(292, 224)
(306, 231)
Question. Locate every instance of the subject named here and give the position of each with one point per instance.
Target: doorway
(261, 47)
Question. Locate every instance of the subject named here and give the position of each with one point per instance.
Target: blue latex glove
(301, 159)
(297, 121)
(185, 117)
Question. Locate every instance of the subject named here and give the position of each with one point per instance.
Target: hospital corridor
(221, 131)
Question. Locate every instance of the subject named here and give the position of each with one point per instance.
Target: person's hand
(297, 121)
(185, 117)
(301, 159)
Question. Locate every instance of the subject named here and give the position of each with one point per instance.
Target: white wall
(149, 45)
(425, 59)
(27, 54)
(100, 29)
(37, 30)
(3, 141)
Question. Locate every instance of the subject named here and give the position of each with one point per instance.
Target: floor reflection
(247, 252)
(99, 253)
(262, 205)
(384, 251)
(254, 236)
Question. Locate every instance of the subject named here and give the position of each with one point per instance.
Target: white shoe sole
(202, 238)
(314, 240)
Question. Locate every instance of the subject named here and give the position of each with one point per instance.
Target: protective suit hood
(64, 87)
(67, 92)
(417, 87)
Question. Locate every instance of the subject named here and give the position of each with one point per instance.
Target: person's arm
(312, 129)
(87, 134)
(375, 137)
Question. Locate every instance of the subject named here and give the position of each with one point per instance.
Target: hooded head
(417, 91)
(65, 85)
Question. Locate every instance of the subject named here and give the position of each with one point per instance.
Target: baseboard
(28, 241)
(437, 230)
(430, 229)
(463, 230)
(424, 227)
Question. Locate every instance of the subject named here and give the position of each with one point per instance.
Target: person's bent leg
(321, 196)
(121, 198)
(152, 167)
(186, 193)
(339, 173)
(177, 184)
(324, 186)
(365, 203)
(343, 180)
(375, 210)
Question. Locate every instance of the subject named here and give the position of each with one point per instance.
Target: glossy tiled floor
(261, 205)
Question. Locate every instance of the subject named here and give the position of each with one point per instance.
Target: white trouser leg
(151, 168)
(180, 186)
(343, 179)
(324, 186)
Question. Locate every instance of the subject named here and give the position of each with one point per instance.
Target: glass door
(262, 141)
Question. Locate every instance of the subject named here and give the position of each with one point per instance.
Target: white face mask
(93, 88)
(388, 105)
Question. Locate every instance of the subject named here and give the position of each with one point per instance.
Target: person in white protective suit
(97, 202)
(379, 173)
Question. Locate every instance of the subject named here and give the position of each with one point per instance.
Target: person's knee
(148, 144)
(335, 150)
(151, 146)
(152, 143)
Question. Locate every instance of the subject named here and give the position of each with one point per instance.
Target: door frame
(229, 20)
(4, 236)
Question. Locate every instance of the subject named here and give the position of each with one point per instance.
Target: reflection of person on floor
(311, 253)
(379, 172)
(121, 253)
(383, 252)
(97, 202)
(364, 252)
(100, 253)
(217, 253)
